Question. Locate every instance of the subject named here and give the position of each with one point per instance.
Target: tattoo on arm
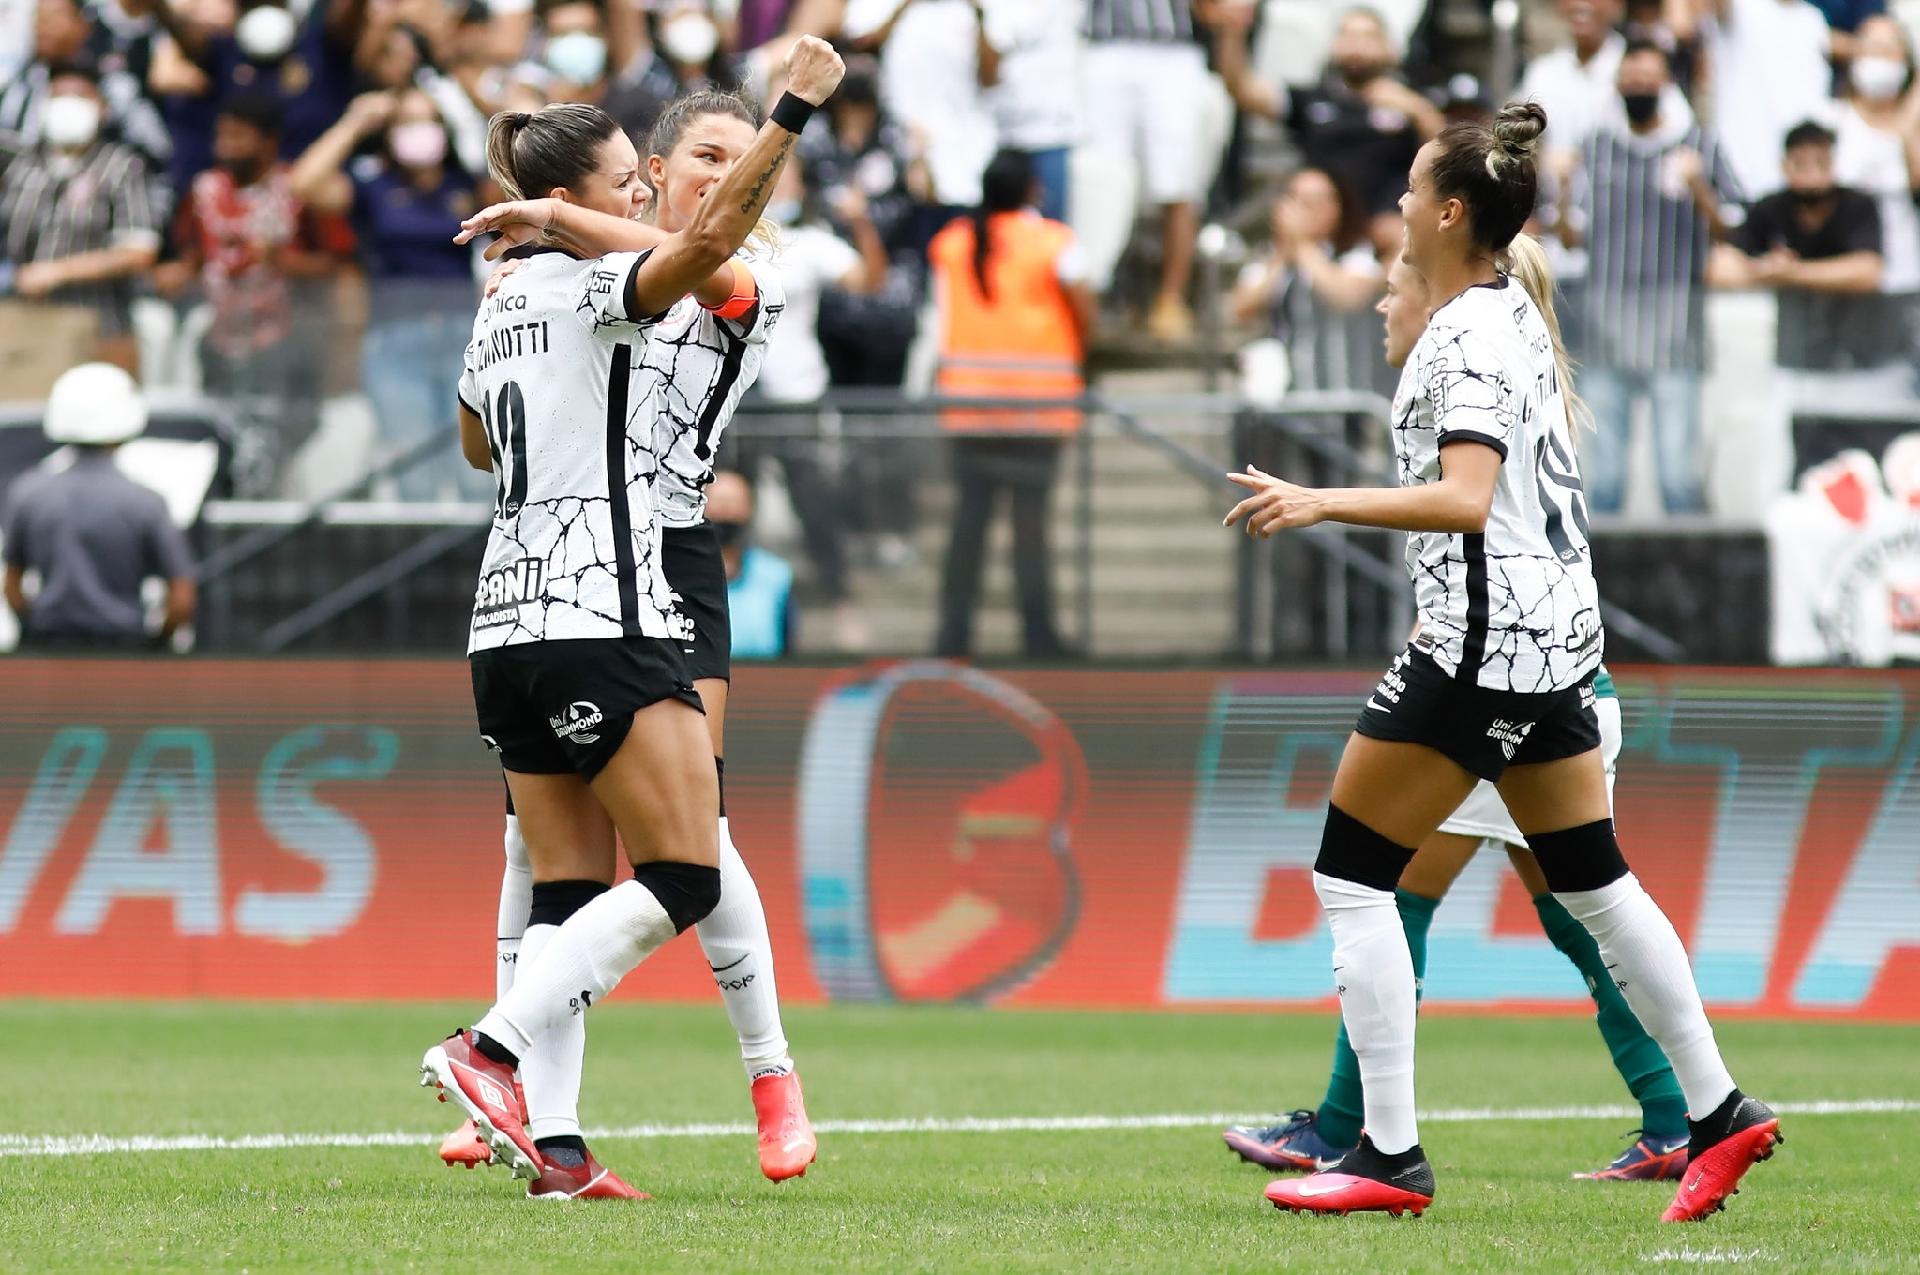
(760, 183)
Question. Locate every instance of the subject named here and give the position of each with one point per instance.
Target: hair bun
(1518, 126)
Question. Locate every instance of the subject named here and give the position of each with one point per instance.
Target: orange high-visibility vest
(1020, 343)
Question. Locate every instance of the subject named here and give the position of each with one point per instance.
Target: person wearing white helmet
(90, 534)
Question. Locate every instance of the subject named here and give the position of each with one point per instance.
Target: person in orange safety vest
(1015, 311)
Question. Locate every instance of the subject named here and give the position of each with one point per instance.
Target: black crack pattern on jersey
(682, 368)
(1542, 627)
(571, 535)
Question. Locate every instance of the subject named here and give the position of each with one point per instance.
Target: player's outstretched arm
(581, 231)
(1459, 502)
(732, 208)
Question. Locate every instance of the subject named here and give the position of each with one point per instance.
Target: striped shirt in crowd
(1647, 245)
(53, 206)
(130, 116)
(1146, 21)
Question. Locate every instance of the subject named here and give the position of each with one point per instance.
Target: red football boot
(485, 1090)
(787, 1144)
(1740, 1134)
(1365, 1181)
(464, 1147)
(588, 1180)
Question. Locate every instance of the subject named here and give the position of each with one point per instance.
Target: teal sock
(1637, 1057)
(1341, 1110)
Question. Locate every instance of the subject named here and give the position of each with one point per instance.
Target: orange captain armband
(745, 293)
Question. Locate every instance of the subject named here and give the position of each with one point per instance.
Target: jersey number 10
(505, 419)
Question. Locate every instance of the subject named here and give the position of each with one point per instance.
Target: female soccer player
(1317, 1139)
(1498, 684)
(578, 651)
(700, 360)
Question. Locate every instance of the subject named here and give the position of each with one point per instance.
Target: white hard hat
(95, 404)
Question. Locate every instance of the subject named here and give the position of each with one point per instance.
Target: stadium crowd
(256, 198)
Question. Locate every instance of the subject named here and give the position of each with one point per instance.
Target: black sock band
(688, 891)
(1579, 859)
(720, 770)
(555, 901)
(792, 113)
(1354, 852)
(488, 1047)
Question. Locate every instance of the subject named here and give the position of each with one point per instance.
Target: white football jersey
(697, 366)
(1513, 608)
(574, 550)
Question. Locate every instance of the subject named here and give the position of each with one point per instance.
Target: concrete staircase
(1163, 568)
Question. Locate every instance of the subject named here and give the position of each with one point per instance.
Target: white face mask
(419, 144)
(689, 39)
(71, 121)
(1878, 78)
(266, 34)
(579, 57)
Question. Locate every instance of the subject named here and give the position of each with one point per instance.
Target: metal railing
(1350, 571)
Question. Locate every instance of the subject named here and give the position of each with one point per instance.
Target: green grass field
(1844, 1194)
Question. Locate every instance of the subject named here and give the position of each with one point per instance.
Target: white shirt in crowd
(1035, 103)
(574, 548)
(930, 83)
(1770, 72)
(812, 259)
(1519, 598)
(1873, 161)
(1576, 94)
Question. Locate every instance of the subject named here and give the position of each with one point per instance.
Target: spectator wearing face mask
(1362, 125)
(79, 225)
(851, 141)
(1769, 72)
(407, 202)
(764, 622)
(1650, 193)
(305, 62)
(1576, 81)
(64, 35)
(687, 52)
(1818, 246)
(245, 243)
(1877, 150)
(577, 53)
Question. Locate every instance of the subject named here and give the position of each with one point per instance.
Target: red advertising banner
(922, 831)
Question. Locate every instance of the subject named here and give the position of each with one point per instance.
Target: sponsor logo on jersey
(1582, 630)
(1509, 735)
(504, 590)
(578, 722)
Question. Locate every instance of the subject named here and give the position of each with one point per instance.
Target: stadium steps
(1163, 569)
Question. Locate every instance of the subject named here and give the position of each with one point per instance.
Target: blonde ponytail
(1526, 261)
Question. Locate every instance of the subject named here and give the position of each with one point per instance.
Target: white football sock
(1374, 973)
(734, 937)
(1639, 945)
(550, 1070)
(579, 965)
(516, 899)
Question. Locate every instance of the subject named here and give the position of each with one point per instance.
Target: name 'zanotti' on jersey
(574, 548)
(1513, 607)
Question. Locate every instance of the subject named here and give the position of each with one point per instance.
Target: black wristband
(791, 113)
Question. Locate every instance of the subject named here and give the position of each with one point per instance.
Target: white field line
(23, 1144)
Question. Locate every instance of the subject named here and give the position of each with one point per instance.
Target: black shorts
(565, 707)
(1485, 731)
(695, 571)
